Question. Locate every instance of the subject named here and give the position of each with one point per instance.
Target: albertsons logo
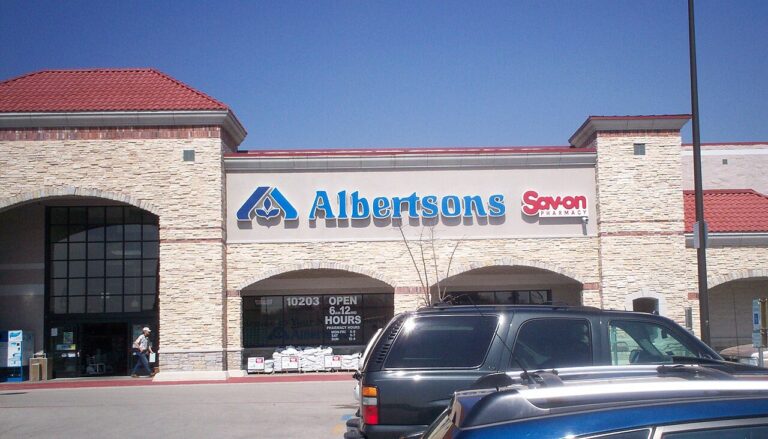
(267, 202)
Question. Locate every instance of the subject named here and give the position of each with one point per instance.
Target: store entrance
(105, 348)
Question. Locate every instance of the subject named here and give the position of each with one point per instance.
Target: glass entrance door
(65, 346)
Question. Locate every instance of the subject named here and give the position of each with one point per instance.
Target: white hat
(146, 329)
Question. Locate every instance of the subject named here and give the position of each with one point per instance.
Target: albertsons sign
(267, 203)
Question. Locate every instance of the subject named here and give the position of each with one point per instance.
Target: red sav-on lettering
(533, 203)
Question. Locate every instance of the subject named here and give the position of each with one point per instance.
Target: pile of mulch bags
(309, 359)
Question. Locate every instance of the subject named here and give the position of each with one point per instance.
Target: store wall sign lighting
(554, 206)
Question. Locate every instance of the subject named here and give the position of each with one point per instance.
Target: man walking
(142, 347)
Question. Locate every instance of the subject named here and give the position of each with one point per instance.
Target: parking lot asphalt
(308, 409)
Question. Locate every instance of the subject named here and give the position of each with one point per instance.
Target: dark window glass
(149, 285)
(115, 286)
(132, 285)
(149, 267)
(59, 215)
(114, 250)
(114, 215)
(635, 434)
(114, 303)
(132, 250)
(96, 233)
(114, 268)
(59, 305)
(639, 342)
(77, 233)
(91, 251)
(442, 342)
(547, 343)
(59, 287)
(115, 232)
(95, 286)
(150, 232)
(132, 267)
(59, 251)
(132, 215)
(96, 250)
(77, 305)
(76, 251)
(263, 321)
(96, 268)
(133, 232)
(96, 215)
(151, 250)
(77, 287)
(741, 432)
(336, 319)
(539, 297)
(95, 304)
(59, 269)
(58, 233)
(76, 268)
(132, 303)
(148, 302)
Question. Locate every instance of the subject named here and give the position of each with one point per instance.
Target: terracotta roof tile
(101, 90)
(729, 211)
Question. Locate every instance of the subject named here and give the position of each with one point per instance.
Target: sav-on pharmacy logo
(266, 202)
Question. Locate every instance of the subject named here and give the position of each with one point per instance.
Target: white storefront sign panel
(467, 203)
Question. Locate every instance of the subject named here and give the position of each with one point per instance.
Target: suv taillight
(370, 403)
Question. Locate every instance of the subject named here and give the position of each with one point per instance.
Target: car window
(442, 342)
(640, 342)
(547, 343)
(743, 432)
(634, 434)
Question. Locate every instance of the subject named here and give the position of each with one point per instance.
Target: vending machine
(19, 349)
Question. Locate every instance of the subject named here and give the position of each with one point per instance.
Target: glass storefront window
(102, 259)
(514, 297)
(318, 319)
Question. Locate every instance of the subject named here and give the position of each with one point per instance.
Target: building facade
(127, 201)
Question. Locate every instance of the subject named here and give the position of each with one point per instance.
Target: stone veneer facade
(143, 167)
(639, 250)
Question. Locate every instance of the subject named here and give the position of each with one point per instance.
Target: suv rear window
(442, 342)
(547, 343)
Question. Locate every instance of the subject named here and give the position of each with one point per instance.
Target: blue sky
(321, 74)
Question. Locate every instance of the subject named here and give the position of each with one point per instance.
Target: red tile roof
(729, 211)
(100, 90)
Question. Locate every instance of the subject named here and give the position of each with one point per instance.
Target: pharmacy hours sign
(342, 318)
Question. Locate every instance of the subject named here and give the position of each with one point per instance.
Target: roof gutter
(731, 239)
(223, 118)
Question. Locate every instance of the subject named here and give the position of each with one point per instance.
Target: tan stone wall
(642, 246)
(149, 173)
(735, 276)
(389, 261)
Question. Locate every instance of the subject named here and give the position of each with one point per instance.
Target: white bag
(152, 357)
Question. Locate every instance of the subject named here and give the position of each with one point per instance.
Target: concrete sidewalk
(124, 381)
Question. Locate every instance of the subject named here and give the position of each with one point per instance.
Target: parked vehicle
(422, 357)
(675, 402)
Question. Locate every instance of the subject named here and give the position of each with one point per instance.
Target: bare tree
(422, 246)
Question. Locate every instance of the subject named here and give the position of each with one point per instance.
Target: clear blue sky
(321, 74)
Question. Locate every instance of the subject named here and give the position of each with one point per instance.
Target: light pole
(700, 228)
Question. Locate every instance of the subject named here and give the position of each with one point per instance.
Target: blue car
(666, 402)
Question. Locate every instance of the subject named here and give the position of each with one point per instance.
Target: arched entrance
(511, 284)
(730, 308)
(313, 307)
(81, 274)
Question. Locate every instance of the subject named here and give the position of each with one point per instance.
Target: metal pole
(701, 251)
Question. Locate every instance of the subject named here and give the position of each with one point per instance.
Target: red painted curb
(147, 382)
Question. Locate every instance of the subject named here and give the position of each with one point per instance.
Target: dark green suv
(422, 357)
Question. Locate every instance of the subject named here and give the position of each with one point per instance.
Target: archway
(510, 284)
(730, 309)
(81, 274)
(314, 306)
